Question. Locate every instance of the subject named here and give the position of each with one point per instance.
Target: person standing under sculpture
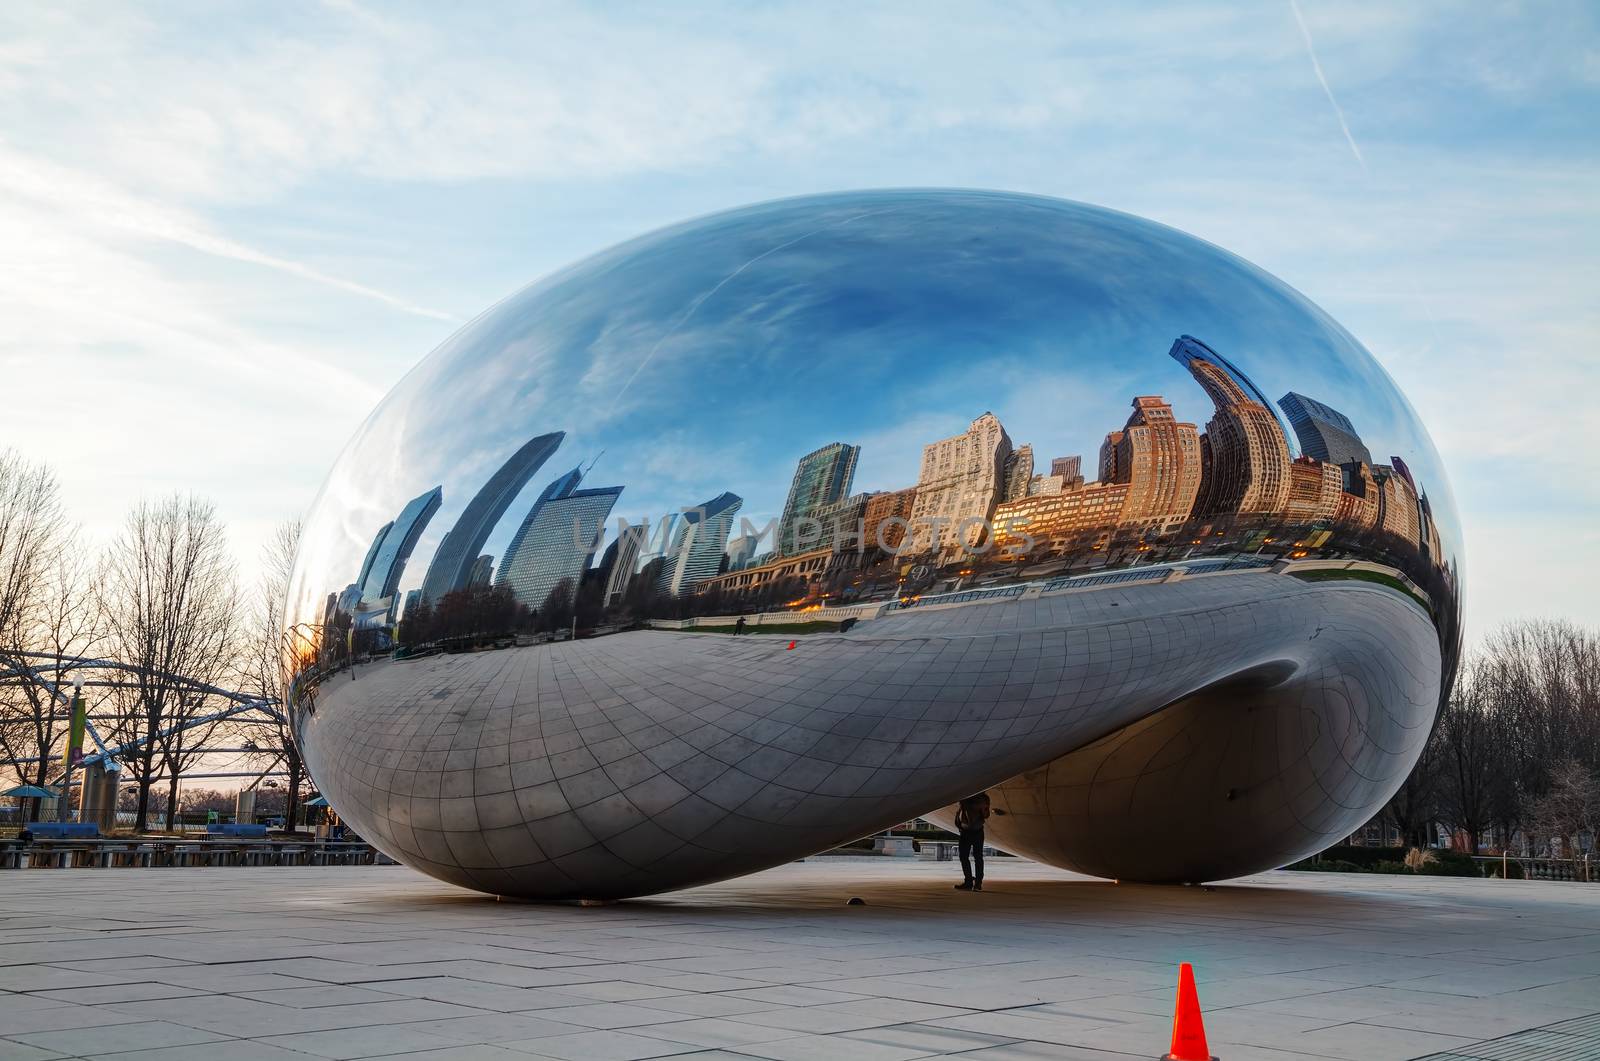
(970, 816)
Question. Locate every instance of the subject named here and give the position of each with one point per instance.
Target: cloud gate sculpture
(773, 529)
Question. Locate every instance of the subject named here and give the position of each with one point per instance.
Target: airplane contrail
(1311, 51)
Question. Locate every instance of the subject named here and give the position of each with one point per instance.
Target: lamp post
(74, 751)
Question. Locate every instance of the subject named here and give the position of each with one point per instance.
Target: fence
(1573, 869)
(115, 854)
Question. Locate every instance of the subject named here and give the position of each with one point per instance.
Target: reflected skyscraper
(1324, 432)
(451, 568)
(1017, 474)
(697, 548)
(1244, 452)
(372, 552)
(822, 477)
(1159, 459)
(482, 571)
(557, 538)
(386, 564)
(630, 544)
(961, 480)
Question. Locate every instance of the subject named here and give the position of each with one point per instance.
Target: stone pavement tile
(709, 1005)
(714, 1031)
(246, 1017)
(494, 1027)
(15, 1051)
(483, 996)
(196, 976)
(55, 1017)
(346, 1044)
(142, 961)
(830, 1048)
(816, 1020)
(107, 1038)
(609, 1015)
(1478, 983)
(319, 995)
(1247, 990)
(236, 1050)
(601, 1046)
(1575, 993)
(682, 981)
(13, 1002)
(94, 996)
(790, 995)
(46, 977)
(1478, 1018)
(459, 1052)
(1024, 1051)
(1027, 1024)
(927, 1038)
(1360, 1042)
(897, 1010)
(1111, 1007)
(613, 990)
(974, 995)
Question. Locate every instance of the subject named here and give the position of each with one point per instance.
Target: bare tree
(168, 594)
(1473, 760)
(1569, 811)
(262, 662)
(35, 540)
(32, 531)
(64, 627)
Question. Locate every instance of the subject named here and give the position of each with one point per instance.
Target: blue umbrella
(29, 792)
(317, 802)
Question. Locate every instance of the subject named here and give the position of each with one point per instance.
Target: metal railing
(1571, 869)
(162, 853)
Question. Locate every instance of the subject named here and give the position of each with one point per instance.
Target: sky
(227, 231)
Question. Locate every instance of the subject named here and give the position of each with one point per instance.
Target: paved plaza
(273, 963)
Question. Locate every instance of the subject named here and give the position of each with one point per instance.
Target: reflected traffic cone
(791, 645)
(1188, 1031)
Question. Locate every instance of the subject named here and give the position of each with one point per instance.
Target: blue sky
(225, 232)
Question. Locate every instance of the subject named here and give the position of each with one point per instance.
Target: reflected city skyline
(1289, 480)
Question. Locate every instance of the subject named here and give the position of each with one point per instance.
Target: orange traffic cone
(1188, 1031)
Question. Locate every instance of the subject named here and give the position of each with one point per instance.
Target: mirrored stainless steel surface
(779, 527)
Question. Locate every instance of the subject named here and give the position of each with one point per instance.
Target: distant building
(822, 477)
(1324, 432)
(807, 566)
(387, 560)
(1244, 452)
(1159, 460)
(959, 485)
(1397, 504)
(887, 516)
(697, 547)
(843, 524)
(482, 573)
(372, 553)
(629, 545)
(1017, 473)
(1358, 501)
(463, 544)
(557, 538)
(741, 549)
(1059, 523)
(1067, 467)
(1315, 490)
